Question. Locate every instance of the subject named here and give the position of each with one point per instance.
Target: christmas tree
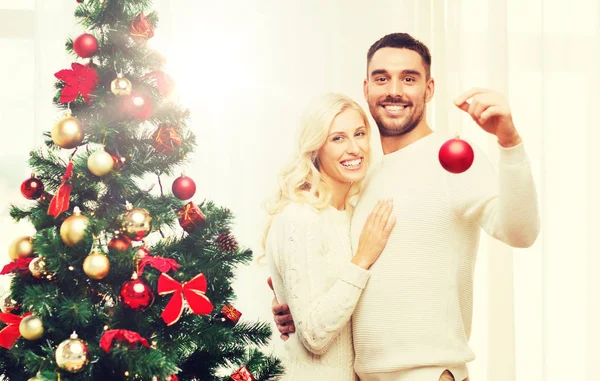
(122, 281)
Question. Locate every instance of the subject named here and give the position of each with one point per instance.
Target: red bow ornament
(10, 334)
(193, 291)
(129, 337)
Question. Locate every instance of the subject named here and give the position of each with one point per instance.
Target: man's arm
(281, 315)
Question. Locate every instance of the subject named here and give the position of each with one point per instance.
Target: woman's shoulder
(297, 212)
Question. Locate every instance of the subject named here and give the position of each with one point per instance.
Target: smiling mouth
(394, 109)
(352, 164)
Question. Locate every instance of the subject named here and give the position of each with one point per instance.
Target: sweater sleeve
(319, 315)
(505, 203)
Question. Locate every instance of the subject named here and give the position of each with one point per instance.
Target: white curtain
(247, 68)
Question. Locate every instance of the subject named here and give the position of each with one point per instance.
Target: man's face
(397, 89)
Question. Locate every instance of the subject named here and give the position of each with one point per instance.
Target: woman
(308, 241)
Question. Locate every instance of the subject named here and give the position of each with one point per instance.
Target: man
(413, 320)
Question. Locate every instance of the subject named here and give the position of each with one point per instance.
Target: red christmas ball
(456, 155)
(85, 45)
(184, 187)
(137, 105)
(120, 243)
(32, 188)
(136, 295)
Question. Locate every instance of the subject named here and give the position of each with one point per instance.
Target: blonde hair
(300, 180)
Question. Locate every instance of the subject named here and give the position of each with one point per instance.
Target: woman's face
(342, 157)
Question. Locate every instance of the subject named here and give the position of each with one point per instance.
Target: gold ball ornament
(100, 163)
(31, 327)
(67, 132)
(7, 304)
(72, 354)
(37, 267)
(21, 247)
(72, 230)
(120, 86)
(36, 378)
(96, 266)
(137, 224)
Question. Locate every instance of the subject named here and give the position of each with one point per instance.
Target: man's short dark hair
(402, 41)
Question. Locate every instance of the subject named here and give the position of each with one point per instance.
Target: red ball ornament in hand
(85, 45)
(136, 294)
(32, 188)
(184, 187)
(456, 155)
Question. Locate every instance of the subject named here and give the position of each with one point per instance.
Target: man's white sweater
(413, 319)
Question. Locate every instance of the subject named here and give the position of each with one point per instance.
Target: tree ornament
(31, 328)
(242, 374)
(137, 105)
(194, 291)
(121, 86)
(100, 163)
(226, 242)
(141, 28)
(21, 247)
(190, 217)
(183, 187)
(80, 79)
(85, 45)
(96, 266)
(166, 139)
(37, 267)
(164, 82)
(7, 304)
(32, 188)
(67, 132)
(137, 223)
(136, 294)
(38, 375)
(456, 155)
(72, 230)
(61, 200)
(229, 316)
(72, 354)
(119, 242)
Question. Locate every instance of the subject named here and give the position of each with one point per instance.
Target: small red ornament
(136, 294)
(85, 45)
(229, 316)
(242, 374)
(166, 139)
(456, 155)
(137, 105)
(141, 28)
(119, 243)
(32, 188)
(184, 187)
(80, 1)
(164, 82)
(190, 217)
(60, 201)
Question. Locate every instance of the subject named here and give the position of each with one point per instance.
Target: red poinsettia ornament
(78, 80)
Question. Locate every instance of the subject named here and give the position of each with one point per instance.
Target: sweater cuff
(512, 155)
(355, 275)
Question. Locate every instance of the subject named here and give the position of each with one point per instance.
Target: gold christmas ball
(72, 354)
(34, 379)
(137, 224)
(31, 328)
(7, 304)
(37, 267)
(96, 266)
(20, 247)
(73, 228)
(67, 132)
(100, 163)
(120, 86)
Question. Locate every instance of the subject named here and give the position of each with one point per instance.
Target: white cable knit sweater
(309, 257)
(414, 318)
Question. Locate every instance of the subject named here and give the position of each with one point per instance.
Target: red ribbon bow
(194, 295)
(129, 337)
(10, 334)
(60, 201)
(22, 264)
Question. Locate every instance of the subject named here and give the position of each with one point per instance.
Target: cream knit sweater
(309, 257)
(413, 319)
